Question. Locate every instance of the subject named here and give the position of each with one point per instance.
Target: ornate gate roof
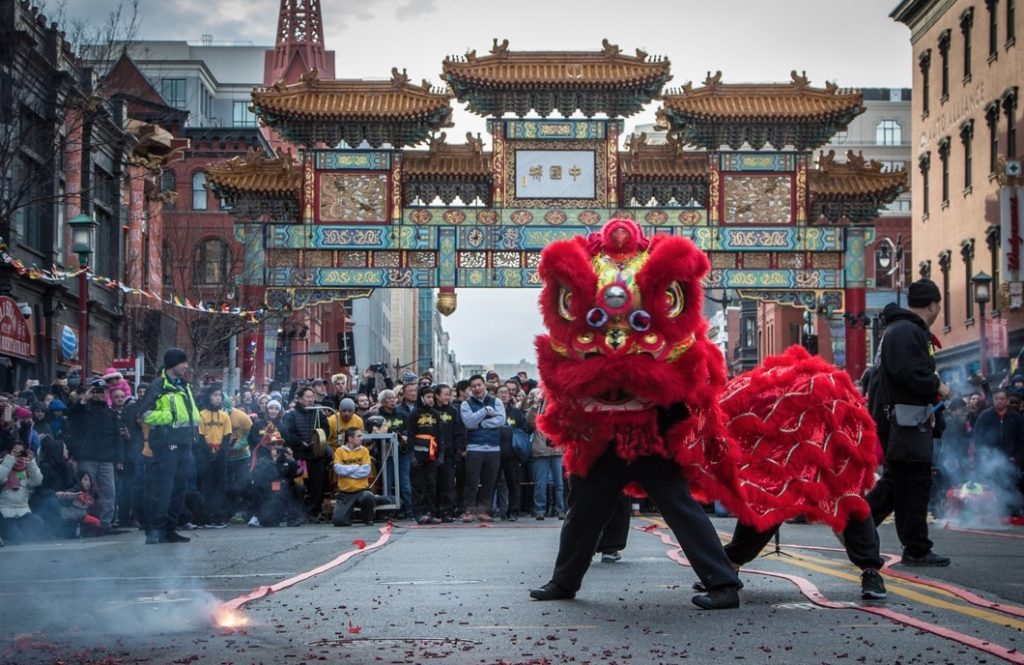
(314, 111)
(854, 189)
(606, 81)
(781, 114)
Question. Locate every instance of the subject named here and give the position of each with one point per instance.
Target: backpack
(522, 446)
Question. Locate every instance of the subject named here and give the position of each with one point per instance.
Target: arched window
(211, 262)
(168, 183)
(199, 191)
(888, 132)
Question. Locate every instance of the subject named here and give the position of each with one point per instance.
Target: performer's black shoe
(722, 598)
(699, 586)
(931, 559)
(174, 537)
(552, 591)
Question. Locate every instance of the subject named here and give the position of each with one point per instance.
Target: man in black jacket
(453, 438)
(96, 445)
(902, 398)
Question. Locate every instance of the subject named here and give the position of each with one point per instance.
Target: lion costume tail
(808, 445)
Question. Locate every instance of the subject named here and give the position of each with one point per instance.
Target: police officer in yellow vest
(172, 416)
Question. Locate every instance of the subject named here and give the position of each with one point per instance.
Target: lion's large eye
(565, 304)
(675, 301)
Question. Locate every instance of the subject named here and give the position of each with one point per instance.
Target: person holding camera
(19, 474)
(369, 385)
(274, 471)
(170, 411)
(96, 444)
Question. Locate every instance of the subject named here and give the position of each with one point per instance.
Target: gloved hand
(671, 415)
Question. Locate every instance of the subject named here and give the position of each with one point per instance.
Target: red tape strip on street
(812, 594)
(959, 592)
(260, 592)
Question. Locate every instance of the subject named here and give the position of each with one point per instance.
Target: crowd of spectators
(76, 459)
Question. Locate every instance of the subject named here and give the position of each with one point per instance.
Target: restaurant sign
(15, 338)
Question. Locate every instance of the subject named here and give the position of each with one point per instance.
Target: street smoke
(977, 491)
(97, 606)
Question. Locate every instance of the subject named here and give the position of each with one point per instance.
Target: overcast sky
(851, 42)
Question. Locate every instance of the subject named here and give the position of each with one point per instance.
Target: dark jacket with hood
(297, 428)
(906, 368)
(453, 432)
(94, 436)
(424, 427)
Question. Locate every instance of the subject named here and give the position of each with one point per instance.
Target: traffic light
(346, 349)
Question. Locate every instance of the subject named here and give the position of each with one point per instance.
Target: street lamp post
(83, 240)
(982, 295)
(891, 254)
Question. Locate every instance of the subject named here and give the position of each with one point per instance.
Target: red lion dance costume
(627, 365)
(637, 397)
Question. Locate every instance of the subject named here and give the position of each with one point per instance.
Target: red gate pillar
(854, 283)
(856, 333)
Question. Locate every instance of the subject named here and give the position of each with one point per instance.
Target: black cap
(922, 293)
(174, 357)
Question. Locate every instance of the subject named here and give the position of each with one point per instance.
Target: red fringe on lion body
(809, 445)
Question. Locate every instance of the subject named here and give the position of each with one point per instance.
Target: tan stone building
(967, 72)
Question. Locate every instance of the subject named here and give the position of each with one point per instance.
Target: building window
(944, 55)
(967, 254)
(173, 92)
(199, 200)
(893, 165)
(839, 138)
(242, 116)
(966, 26)
(945, 260)
(924, 164)
(168, 268)
(168, 183)
(993, 29)
(1010, 110)
(888, 132)
(992, 120)
(1011, 24)
(992, 240)
(944, 158)
(211, 262)
(925, 64)
(967, 138)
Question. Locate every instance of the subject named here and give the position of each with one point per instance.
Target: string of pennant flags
(55, 276)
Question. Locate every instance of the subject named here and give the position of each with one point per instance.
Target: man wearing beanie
(902, 400)
(342, 420)
(170, 411)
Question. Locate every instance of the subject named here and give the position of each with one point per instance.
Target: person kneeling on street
(352, 466)
(275, 495)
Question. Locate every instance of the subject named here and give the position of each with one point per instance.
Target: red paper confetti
(651, 528)
(359, 543)
(355, 630)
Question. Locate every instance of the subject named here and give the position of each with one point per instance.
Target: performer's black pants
(904, 489)
(616, 531)
(593, 498)
(859, 537)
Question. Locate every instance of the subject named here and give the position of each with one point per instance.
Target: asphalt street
(458, 594)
